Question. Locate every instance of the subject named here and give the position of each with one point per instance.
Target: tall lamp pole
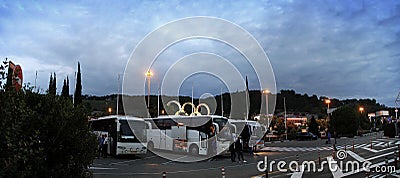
(328, 101)
(284, 105)
(361, 109)
(266, 92)
(148, 75)
(116, 112)
(396, 102)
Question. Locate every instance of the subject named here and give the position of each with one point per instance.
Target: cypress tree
(64, 93)
(10, 72)
(78, 88)
(50, 90)
(67, 88)
(54, 87)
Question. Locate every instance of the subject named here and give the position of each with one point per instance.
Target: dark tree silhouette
(313, 127)
(78, 88)
(65, 89)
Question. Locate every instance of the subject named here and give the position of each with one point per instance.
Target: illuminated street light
(109, 110)
(148, 75)
(327, 101)
(266, 92)
(361, 109)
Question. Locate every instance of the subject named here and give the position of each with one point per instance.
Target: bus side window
(159, 124)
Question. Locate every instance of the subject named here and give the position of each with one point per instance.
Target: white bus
(251, 132)
(197, 135)
(125, 135)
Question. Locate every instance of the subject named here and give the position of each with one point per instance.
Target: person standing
(239, 148)
(329, 137)
(232, 150)
(105, 146)
(100, 148)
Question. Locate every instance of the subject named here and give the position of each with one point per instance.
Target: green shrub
(43, 136)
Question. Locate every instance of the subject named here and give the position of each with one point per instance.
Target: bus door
(112, 138)
(203, 143)
(163, 137)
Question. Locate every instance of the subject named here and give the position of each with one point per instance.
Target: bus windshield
(132, 131)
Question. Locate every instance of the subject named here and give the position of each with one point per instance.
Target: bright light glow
(327, 101)
(361, 109)
(266, 91)
(109, 110)
(149, 73)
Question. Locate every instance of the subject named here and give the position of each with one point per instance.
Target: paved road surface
(151, 165)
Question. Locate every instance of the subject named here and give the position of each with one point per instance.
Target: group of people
(237, 148)
(103, 145)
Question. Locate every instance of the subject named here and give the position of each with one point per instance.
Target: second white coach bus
(124, 135)
(197, 135)
(251, 132)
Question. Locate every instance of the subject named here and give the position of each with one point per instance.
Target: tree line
(43, 135)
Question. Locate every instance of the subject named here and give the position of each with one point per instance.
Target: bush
(389, 130)
(43, 136)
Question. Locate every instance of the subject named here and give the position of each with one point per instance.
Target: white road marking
(382, 155)
(122, 162)
(338, 172)
(298, 174)
(102, 168)
(174, 160)
(355, 156)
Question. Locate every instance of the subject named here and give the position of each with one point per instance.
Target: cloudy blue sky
(342, 49)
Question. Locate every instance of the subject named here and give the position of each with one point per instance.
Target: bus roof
(119, 117)
(175, 116)
(250, 122)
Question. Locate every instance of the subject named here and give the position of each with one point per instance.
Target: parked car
(306, 136)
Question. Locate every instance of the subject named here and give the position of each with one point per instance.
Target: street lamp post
(361, 109)
(109, 110)
(397, 133)
(284, 106)
(328, 101)
(148, 75)
(119, 75)
(266, 92)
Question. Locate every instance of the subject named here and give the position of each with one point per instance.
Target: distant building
(297, 121)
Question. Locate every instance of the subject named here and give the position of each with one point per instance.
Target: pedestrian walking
(239, 148)
(329, 137)
(232, 150)
(251, 147)
(100, 146)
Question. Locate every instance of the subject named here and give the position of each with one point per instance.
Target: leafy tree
(3, 74)
(345, 121)
(43, 136)
(78, 88)
(313, 126)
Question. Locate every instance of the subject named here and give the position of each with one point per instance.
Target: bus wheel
(194, 150)
(150, 146)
